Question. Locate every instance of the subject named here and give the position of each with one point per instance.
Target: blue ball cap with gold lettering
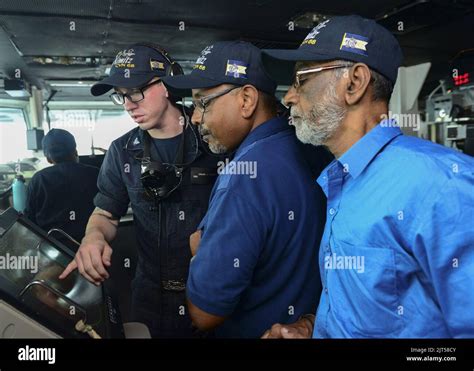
(132, 68)
(225, 62)
(350, 38)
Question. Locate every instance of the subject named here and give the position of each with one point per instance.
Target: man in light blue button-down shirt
(397, 254)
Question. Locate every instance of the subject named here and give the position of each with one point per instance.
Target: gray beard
(217, 148)
(321, 122)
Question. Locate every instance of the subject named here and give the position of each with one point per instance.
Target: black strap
(146, 145)
(179, 159)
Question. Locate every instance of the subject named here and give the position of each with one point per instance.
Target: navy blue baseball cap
(58, 143)
(350, 38)
(225, 62)
(133, 67)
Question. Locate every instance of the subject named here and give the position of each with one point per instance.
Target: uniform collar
(134, 143)
(270, 127)
(358, 157)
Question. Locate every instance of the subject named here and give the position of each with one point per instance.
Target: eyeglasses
(298, 82)
(135, 95)
(202, 103)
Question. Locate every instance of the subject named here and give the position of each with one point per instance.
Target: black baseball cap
(225, 62)
(350, 38)
(58, 143)
(133, 67)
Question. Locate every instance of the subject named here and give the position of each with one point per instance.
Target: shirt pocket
(140, 206)
(364, 295)
(145, 218)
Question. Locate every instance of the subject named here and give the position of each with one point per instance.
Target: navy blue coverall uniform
(162, 229)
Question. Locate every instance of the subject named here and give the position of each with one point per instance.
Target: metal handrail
(50, 232)
(58, 293)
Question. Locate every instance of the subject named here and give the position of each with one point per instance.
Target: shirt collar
(358, 157)
(134, 140)
(270, 127)
(134, 143)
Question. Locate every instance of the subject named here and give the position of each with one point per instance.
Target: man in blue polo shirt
(397, 255)
(258, 249)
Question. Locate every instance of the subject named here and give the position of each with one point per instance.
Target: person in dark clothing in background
(61, 196)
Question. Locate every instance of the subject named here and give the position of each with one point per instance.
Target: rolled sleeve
(112, 195)
(232, 238)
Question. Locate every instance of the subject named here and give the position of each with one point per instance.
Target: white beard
(217, 148)
(322, 120)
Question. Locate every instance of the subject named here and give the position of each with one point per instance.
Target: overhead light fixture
(64, 60)
(309, 19)
(17, 88)
(70, 84)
